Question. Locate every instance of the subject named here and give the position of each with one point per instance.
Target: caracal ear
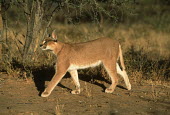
(54, 36)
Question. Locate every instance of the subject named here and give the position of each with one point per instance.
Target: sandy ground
(21, 97)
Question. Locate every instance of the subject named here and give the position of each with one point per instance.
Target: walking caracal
(71, 57)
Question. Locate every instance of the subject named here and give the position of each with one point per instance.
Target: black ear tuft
(48, 35)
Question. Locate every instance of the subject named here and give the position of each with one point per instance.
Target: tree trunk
(4, 42)
(1, 29)
(34, 21)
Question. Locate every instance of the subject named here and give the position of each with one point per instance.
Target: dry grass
(146, 50)
(153, 42)
(59, 109)
(88, 90)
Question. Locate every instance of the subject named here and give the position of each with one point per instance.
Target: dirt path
(18, 97)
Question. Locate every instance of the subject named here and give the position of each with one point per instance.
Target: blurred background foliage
(141, 26)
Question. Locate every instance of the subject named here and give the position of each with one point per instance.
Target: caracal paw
(129, 87)
(75, 91)
(45, 94)
(109, 90)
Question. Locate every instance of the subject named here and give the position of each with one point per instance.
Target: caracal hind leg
(124, 75)
(74, 75)
(55, 80)
(111, 70)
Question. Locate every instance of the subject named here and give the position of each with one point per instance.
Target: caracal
(71, 57)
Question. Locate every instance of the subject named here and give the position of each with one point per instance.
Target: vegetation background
(141, 26)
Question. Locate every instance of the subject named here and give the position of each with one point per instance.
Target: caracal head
(49, 43)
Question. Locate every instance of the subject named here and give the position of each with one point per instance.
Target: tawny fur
(71, 57)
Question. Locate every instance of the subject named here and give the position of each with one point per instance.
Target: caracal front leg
(61, 71)
(74, 75)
